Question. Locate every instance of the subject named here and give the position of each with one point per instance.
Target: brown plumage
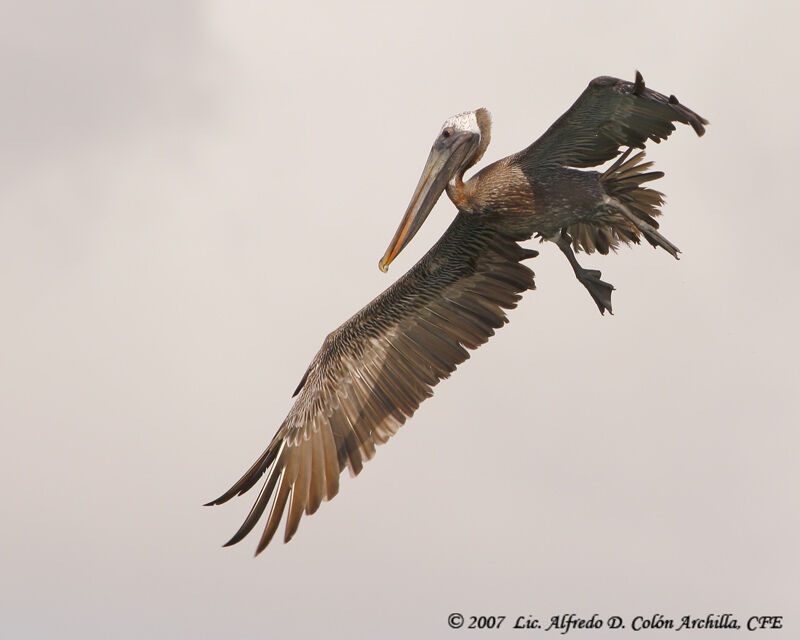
(586, 210)
(372, 372)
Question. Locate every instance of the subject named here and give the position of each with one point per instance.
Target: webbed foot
(597, 288)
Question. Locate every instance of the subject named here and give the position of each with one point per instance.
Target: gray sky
(193, 195)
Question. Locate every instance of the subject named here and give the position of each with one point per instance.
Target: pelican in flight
(372, 372)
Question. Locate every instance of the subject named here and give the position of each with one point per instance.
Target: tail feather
(633, 212)
(623, 180)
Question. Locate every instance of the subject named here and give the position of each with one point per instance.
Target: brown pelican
(373, 371)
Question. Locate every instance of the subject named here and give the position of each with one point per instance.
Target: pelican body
(542, 189)
(372, 372)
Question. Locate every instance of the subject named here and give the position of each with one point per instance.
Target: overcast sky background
(192, 195)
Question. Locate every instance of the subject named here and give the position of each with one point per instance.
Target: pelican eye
(447, 133)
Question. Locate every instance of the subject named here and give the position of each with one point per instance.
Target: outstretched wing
(609, 114)
(373, 371)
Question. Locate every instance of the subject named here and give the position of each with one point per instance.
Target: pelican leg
(589, 278)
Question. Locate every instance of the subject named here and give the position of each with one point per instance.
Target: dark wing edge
(372, 373)
(609, 114)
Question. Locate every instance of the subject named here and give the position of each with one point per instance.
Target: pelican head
(459, 145)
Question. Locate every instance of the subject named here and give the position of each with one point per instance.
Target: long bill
(443, 163)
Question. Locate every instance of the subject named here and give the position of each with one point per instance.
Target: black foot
(599, 290)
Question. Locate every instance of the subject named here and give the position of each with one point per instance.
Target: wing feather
(316, 490)
(373, 372)
(609, 114)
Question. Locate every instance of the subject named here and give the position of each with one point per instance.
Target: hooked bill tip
(382, 265)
